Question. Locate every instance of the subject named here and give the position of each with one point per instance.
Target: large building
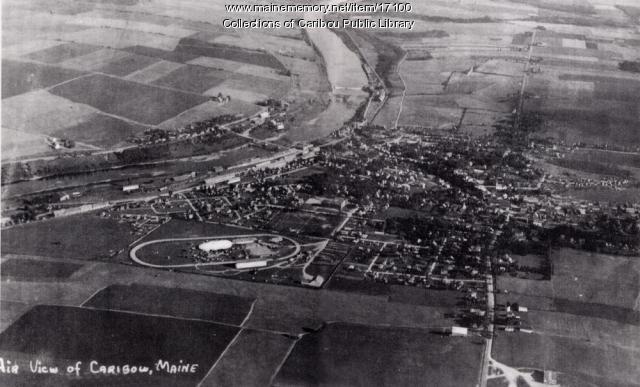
(215, 245)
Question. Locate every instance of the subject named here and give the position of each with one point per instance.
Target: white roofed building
(215, 245)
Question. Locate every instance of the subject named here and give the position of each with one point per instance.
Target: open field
(195, 79)
(415, 113)
(123, 98)
(252, 360)
(40, 112)
(93, 60)
(86, 237)
(17, 144)
(127, 65)
(69, 334)
(585, 284)
(183, 229)
(154, 71)
(595, 330)
(173, 302)
(236, 94)
(580, 363)
(229, 65)
(100, 130)
(354, 355)
(272, 309)
(121, 38)
(147, 43)
(61, 52)
(199, 48)
(210, 109)
(20, 77)
(35, 270)
(294, 47)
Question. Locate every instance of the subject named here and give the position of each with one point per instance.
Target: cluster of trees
(631, 66)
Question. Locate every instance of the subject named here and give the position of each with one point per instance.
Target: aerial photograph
(320, 193)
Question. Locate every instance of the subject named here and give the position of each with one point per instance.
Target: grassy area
(68, 334)
(251, 360)
(59, 53)
(583, 363)
(124, 98)
(174, 302)
(20, 77)
(127, 65)
(184, 229)
(582, 283)
(36, 270)
(101, 130)
(86, 237)
(195, 79)
(356, 355)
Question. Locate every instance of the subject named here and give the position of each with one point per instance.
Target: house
(459, 331)
(130, 188)
(550, 377)
(212, 181)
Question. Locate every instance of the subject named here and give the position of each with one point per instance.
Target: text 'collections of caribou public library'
(383, 15)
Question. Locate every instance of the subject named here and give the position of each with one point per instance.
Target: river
(346, 76)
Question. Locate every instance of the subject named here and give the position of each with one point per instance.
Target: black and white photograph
(351, 193)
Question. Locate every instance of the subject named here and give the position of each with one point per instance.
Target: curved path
(134, 251)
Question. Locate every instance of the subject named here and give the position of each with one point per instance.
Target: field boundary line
(246, 318)
(93, 295)
(231, 343)
(284, 360)
(146, 235)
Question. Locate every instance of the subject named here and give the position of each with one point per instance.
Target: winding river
(346, 76)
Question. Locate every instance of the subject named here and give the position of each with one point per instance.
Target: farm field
(15, 269)
(66, 333)
(252, 359)
(573, 317)
(586, 108)
(62, 52)
(42, 113)
(154, 71)
(210, 109)
(345, 354)
(110, 58)
(100, 238)
(173, 302)
(582, 278)
(415, 113)
(16, 144)
(579, 362)
(126, 65)
(194, 79)
(271, 310)
(93, 60)
(101, 130)
(123, 98)
(20, 77)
